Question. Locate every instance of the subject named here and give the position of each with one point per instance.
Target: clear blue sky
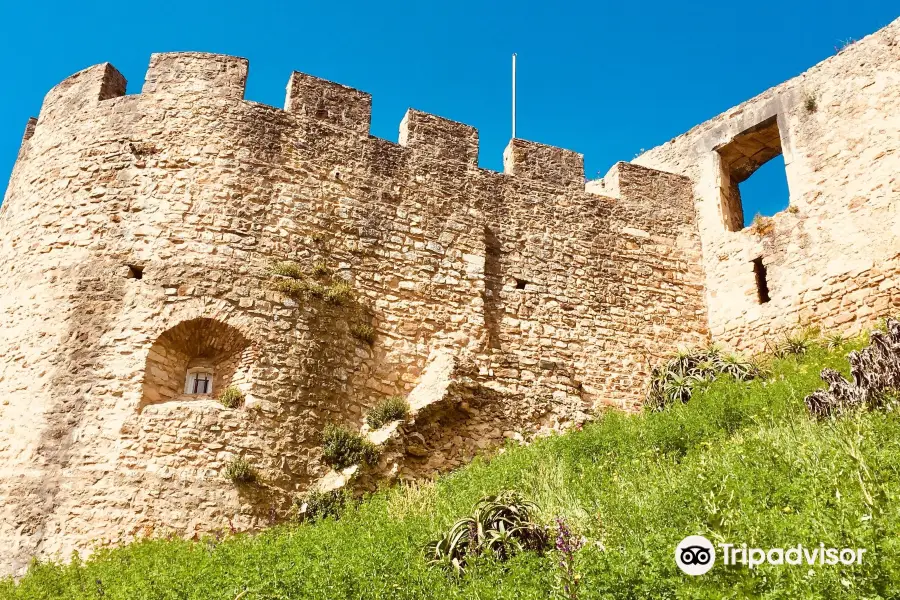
(603, 78)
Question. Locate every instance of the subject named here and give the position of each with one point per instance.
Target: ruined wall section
(833, 257)
(132, 219)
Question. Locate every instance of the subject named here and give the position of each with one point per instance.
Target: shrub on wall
(292, 280)
(288, 269)
(342, 448)
(320, 270)
(390, 409)
(762, 225)
(231, 397)
(239, 470)
(338, 292)
(363, 332)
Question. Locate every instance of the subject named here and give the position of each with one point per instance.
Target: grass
(389, 409)
(741, 461)
(339, 292)
(288, 269)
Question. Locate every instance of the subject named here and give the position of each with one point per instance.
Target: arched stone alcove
(197, 346)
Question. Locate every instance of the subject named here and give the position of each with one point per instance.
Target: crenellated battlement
(342, 106)
(191, 77)
(82, 91)
(440, 139)
(545, 163)
(187, 73)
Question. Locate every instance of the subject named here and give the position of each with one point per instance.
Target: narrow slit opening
(762, 284)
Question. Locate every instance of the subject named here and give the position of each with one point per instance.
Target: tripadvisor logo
(695, 555)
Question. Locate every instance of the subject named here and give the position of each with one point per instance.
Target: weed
(810, 103)
(567, 545)
(501, 525)
(342, 447)
(339, 292)
(762, 225)
(390, 409)
(288, 269)
(363, 332)
(793, 344)
(240, 470)
(294, 288)
(674, 381)
(231, 397)
(835, 341)
(320, 271)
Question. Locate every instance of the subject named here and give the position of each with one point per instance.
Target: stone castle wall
(136, 240)
(832, 258)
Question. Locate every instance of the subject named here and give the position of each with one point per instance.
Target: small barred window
(198, 382)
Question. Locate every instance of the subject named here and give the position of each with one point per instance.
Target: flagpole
(514, 95)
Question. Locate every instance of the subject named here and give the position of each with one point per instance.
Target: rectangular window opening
(744, 193)
(762, 284)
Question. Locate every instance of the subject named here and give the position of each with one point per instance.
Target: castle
(138, 234)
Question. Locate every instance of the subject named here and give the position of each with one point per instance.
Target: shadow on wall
(195, 359)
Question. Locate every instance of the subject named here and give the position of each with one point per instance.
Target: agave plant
(501, 525)
(675, 380)
(737, 366)
(793, 344)
(835, 341)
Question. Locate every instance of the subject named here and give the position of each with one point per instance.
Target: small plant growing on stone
(239, 470)
(810, 103)
(294, 288)
(231, 397)
(320, 271)
(762, 225)
(315, 505)
(339, 292)
(363, 332)
(390, 409)
(288, 269)
(342, 448)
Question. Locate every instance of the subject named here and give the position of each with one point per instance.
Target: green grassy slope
(741, 463)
